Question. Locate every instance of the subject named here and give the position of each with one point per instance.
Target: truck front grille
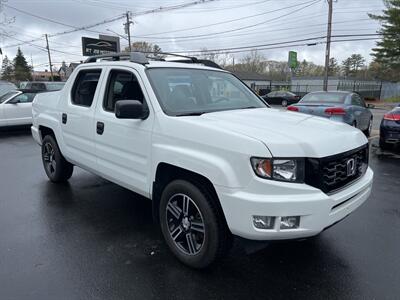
(332, 173)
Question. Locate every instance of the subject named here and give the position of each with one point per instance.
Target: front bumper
(36, 135)
(269, 198)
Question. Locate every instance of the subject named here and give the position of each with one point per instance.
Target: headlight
(281, 169)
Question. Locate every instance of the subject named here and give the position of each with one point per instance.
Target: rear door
(123, 146)
(77, 117)
(18, 110)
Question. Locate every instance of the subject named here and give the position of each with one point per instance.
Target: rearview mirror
(131, 109)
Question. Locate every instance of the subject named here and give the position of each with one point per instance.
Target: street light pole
(328, 44)
(48, 53)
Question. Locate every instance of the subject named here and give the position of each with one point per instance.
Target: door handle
(100, 128)
(64, 118)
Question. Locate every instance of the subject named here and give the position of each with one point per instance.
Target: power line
(310, 3)
(227, 21)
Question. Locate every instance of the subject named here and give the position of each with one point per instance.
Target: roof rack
(143, 58)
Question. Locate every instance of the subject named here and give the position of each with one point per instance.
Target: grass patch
(392, 100)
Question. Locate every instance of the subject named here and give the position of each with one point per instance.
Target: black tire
(354, 124)
(284, 103)
(56, 167)
(383, 145)
(367, 131)
(206, 248)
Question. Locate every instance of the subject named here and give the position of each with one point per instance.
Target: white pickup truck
(215, 160)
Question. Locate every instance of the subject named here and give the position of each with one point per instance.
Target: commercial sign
(92, 46)
(293, 59)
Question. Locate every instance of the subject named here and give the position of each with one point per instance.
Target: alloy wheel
(49, 158)
(185, 224)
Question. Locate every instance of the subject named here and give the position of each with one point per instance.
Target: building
(254, 80)
(65, 71)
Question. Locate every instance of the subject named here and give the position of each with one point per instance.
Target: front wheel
(56, 167)
(192, 224)
(284, 103)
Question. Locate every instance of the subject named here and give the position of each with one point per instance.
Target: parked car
(42, 86)
(342, 106)
(283, 98)
(390, 128)
(16, 107)
(214, 159)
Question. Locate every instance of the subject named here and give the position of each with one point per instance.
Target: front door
(18, 110)
(123, 146)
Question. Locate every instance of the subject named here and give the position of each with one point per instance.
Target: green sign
(292, 59)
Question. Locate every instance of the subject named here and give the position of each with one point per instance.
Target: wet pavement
(91, 239)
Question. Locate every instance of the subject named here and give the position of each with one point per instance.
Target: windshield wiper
(195, 113)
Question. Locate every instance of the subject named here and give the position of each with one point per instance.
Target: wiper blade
(197, 113)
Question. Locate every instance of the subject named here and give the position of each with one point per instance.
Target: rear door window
(84, 87)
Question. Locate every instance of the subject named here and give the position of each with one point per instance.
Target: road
(91, 239)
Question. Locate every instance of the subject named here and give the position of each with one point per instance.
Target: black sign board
(92, 46)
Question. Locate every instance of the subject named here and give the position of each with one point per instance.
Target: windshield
(8, 96)
(196, 91)
(324, 97)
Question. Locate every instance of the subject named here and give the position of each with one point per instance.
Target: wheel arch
(165, 173)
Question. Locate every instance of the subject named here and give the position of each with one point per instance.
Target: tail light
(292, 108)
(335, 111)
(391, 117)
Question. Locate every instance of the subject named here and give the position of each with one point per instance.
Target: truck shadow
(14, 131)
(96, 221)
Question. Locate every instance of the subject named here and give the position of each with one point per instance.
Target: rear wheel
(56, 167)
(284, 103)
(193, 226)
(367, 132)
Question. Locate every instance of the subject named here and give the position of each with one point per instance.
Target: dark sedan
(390, 128)
(341, 106)
(283, 98)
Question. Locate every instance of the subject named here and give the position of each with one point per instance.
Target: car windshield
(196, 91)
(8, 96)
(324, 97)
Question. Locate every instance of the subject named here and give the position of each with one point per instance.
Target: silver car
(339, 106)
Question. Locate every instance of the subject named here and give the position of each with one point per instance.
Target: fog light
(263, 222)
(291, 222)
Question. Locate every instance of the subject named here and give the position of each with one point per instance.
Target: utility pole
(128, 29)
(328, 44)
(48, 53)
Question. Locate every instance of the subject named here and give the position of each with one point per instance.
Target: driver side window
(122, 85)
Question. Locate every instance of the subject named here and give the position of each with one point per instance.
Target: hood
(288, 134)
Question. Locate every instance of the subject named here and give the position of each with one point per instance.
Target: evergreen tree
(22, 71)
(334, 68)
(387, 52)
(353, 64)
(7, 69)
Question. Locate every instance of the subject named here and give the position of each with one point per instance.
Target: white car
(214, 159)
(16, 108)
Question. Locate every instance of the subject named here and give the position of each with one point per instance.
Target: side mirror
(370, 105)
(14, 101)
(131, 109)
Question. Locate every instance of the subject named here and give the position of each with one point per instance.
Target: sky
(241, 23)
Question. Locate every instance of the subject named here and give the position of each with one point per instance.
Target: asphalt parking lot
(91, 239)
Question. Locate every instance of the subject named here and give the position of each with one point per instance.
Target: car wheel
(56, 167)
(383, 145)
(192, 224)
(284, 103)
(354, 124)
(367, 132)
